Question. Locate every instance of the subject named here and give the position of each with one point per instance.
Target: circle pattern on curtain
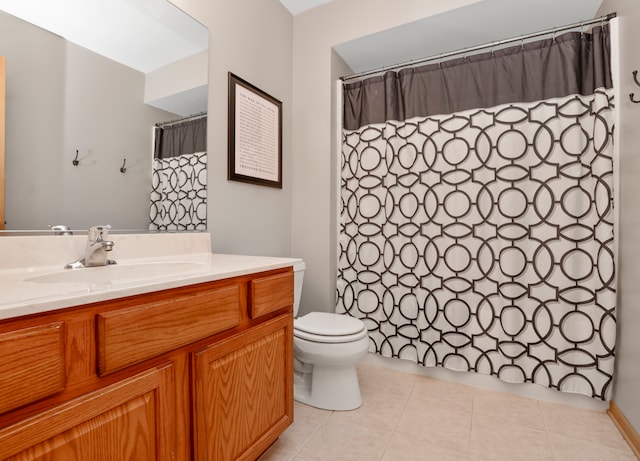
(179, 193)
(483, 240)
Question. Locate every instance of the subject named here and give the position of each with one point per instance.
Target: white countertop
(22, 292)
(40, 288)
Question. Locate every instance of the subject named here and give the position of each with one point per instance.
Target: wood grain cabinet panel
(130, 420)
(78, 384)
(131, 335)
(244, 392)
(271, 293)
(31, 364)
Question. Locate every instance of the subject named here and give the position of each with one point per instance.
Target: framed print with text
(255, 135)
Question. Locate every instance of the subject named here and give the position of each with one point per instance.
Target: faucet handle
(99, 232)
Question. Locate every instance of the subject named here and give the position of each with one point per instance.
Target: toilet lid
(329, 339)
(327, 324)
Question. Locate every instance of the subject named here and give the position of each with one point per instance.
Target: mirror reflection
(84, 93)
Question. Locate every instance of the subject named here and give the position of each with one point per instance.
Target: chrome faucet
(61, 229)
(95, 253)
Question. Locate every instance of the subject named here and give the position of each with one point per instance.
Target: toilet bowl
(327, 347)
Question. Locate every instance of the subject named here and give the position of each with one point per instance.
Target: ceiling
(298, 6)
(142, 34)
(133, 31)
(479, 23)
(482, 22)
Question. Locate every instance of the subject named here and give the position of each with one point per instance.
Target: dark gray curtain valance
(571, 63)
(188, 137)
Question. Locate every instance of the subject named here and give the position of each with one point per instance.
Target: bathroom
(292, 58)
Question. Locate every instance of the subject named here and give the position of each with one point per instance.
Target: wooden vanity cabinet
(203, 372)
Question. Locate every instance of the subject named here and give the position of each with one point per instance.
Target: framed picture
(255, 135)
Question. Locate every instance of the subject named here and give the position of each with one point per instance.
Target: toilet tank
(298, 276)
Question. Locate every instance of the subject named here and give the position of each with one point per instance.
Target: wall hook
(123, 169)
(632, 95)
(75, 161)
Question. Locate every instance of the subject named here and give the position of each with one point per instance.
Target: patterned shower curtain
(179, 177)
(476, 226)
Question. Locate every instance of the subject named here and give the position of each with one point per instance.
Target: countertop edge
(218, 267)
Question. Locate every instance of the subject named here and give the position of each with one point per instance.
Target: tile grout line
(395, 427)
(304, 444)
(547, 433)
(473, 404)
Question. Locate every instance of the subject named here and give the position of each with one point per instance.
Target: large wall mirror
(86, 83)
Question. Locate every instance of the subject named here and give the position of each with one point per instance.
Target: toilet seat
(325, 327)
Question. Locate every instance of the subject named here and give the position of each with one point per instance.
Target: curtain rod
(181, 119)
(555, 30)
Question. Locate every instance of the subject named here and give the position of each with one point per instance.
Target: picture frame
(255, 135)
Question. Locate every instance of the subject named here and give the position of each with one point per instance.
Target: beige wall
(187, 75)
(62, 97)
(252, 39)
(627, 378)
(28, 170)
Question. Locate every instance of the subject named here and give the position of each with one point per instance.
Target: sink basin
(118, 273)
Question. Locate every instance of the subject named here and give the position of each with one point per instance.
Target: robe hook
(123, 169)
(75, 161)
(635, 80)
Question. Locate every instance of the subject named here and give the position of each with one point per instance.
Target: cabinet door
(244, 392)
(129, 420)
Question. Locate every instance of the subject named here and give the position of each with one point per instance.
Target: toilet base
(329, 388)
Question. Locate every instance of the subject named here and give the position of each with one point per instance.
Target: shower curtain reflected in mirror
(179, 176)
(476, 227)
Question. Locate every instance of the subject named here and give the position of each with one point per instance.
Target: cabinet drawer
(271, 293)
(131, 335)
(31, 364)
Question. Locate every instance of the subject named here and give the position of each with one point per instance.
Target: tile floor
(409, 417)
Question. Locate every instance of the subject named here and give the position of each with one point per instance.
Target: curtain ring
(553, 36)
(582, 28)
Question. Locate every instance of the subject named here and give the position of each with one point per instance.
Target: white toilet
(327, 347)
